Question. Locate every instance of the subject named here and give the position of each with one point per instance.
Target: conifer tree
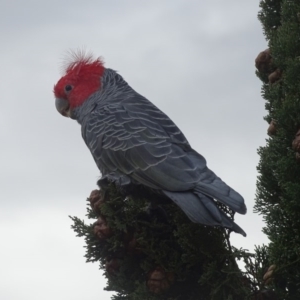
(278, 186)
(158, 253)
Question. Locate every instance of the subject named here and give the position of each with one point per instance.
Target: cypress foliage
(278, 186)
(160, 254)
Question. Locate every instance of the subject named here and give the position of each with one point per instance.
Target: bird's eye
(68, 88)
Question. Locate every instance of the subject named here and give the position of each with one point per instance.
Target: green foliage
(278, 186)
(197, 260)
(269, 16)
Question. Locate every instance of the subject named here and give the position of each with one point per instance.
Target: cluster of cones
(269, 275)
(158, 280)
(264, 65)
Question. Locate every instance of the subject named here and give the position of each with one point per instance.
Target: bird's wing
(134, 137)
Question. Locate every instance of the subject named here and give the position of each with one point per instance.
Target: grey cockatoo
(133, 142)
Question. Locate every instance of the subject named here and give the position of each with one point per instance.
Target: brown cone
(272, 128)
(112, 266)
(159, 281)
(275, 76)
(101, 229)
(96, 200)
(263, 61)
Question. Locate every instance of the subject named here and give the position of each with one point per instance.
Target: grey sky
(193, 59)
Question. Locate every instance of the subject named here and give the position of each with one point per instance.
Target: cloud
(194, 60)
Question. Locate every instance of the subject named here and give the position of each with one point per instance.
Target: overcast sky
(193, 59)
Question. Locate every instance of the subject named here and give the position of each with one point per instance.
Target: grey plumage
(132, 141)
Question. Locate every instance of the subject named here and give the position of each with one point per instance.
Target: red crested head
(81, 79)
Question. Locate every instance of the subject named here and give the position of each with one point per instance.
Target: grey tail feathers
(220, 191)
(202, 209)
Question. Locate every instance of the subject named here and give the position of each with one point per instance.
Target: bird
(134, 143)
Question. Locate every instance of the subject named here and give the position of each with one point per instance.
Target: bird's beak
(63, 107)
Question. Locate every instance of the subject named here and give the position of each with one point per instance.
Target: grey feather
(129, 135)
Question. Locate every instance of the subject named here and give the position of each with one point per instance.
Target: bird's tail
(202, 209)
(220, 191)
